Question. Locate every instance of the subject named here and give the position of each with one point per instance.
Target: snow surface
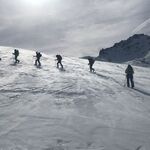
(49, 109)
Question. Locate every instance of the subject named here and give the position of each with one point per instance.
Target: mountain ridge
(136, 49)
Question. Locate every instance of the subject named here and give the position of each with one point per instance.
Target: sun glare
(39, 7)
(35, 2)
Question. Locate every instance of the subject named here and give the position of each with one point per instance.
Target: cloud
(141, 26)
(69, 26)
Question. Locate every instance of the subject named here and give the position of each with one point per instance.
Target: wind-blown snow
(49, 109)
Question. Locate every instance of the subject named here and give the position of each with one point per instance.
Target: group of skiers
(129, 70)
(38, 57)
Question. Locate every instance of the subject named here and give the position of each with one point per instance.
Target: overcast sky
(71, 27)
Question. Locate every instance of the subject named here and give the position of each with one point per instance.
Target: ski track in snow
(49, 109)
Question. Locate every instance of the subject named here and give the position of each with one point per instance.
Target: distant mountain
(135, 49)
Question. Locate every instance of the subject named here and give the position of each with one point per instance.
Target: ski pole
(125, 81)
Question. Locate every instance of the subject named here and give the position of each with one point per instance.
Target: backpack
(129, 70)
(91, 61)
(16, 52)
(38, 55)
(59, 57)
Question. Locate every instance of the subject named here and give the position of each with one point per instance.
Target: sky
(71, 27)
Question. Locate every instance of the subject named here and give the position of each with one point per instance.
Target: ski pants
(130, 80)
(91, 69)
(16, 59)
(59, 62)
(37, 61)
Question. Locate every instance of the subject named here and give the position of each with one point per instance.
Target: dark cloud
(70, 26)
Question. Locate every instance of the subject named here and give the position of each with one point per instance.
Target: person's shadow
(38, 66)
(143, 92)
(61, 69)
(14, 64)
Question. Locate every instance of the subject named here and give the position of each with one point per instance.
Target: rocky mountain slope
(135, 49)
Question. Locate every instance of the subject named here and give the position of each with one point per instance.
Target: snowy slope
(49, 109)
(135, 48)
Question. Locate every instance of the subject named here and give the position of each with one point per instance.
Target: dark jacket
(38, 55)
(59, 58)
(129, 70)
(16, 52)
(91, 61)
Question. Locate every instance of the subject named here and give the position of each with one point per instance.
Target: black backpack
(59, 57)
(91, 61)
(39, 55)
(129, 70)
(16, 52)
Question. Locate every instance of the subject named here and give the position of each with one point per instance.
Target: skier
(91, 62)
(16, 53)
(59, 59)
(38, 56)
(129, 75)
